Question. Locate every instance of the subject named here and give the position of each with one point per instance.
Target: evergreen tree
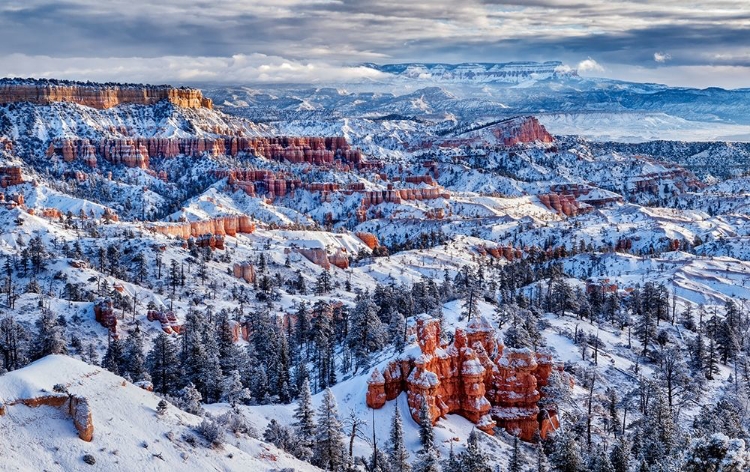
(599, 461)
(232, 390)
(397, 330)
(135, 362)
(566, 456)
(426, 434)
(13, 344)
(323, 284)
(367, 333)
(398, 456)
(49, 337)
(329, 443)
(473, 458)
(427, 461)
(515, 458)
(304, 416)
(619, 457)
(114, 359)
(163, 365)
(190, 399)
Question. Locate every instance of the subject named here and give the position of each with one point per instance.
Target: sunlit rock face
(474, 376)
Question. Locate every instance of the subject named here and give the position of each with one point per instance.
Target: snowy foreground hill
(129, 432)
(367, 281)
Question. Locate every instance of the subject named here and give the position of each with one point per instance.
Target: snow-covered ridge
(511, 72)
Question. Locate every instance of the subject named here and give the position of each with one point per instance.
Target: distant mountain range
(567, 104)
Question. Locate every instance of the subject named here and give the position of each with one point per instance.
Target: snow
(128, 434)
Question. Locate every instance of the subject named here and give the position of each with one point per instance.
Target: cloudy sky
(677, 42)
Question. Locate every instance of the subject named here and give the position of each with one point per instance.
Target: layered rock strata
(220, 226)
(101, 96)
(136, 152)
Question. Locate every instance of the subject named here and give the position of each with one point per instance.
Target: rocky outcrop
(220, 226)
(339, 258)
(168, 320)
(317, 256)
(376, 197)
(563, 204)
(10, 176)
(75, 406)
(136, 152)
(475, 376)
(370, 240)
(244, 271)
(212, 241)
(104, 314)
(102, 96)
(521, 130)
(506, 252)
(320, 257)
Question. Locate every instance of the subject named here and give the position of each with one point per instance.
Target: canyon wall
(475, 376)
(136, 152)
(219, 226)
(101, 96)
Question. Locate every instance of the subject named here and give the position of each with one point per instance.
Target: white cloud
(662, 57)
(239, 68)
(589, 65)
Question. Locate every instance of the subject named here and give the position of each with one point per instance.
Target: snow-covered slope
(128, 432)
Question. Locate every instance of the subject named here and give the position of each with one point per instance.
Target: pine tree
(13, 344)
(114, 359)
(49, 338)
(398, 456)
(427, 461)
(191, 398)
(232, 390)
(323, 284)
(426, 434)
(304, 416)
(163, 365)
(515, 458)
(397, 330)
(161, 408)
(329, 442)
(367, 333)
(566, 457)
(620, 455)
(473, 458)
(599, 461)
(135, 362)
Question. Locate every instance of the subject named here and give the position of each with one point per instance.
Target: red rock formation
(474, 377)
(317, 256)
(521, 130)
(135, 152)
(244, 271)
(104, 313)
(339, 258)
(10, 176)
(75, 406)
(220, 226)
(207, 240)
(369, 239)
(100, 96)
(169, 322)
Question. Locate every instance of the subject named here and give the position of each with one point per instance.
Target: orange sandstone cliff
(102, 96)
